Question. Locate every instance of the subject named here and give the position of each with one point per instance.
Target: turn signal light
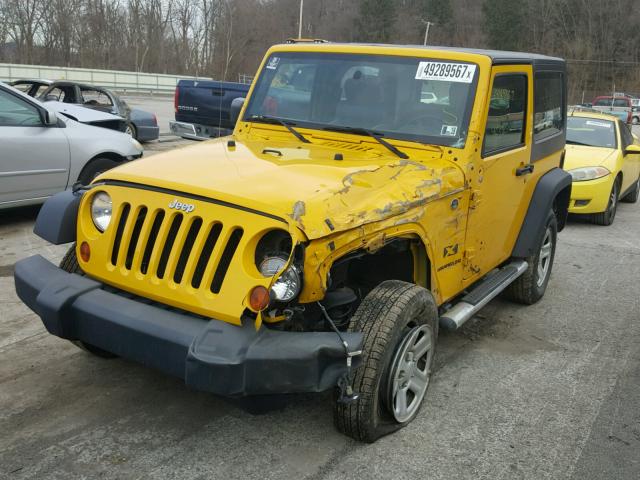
(85, 252)
(259, 298)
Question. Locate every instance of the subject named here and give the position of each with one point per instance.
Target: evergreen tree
(376, 20)
(504, 23)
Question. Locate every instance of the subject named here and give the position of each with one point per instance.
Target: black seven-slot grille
(172, 246)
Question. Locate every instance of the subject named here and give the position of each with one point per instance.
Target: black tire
(531, 285)
(632, 196)
(69, 263)
(131, 130)
(607, 217)
(387, 316)
(94, 168)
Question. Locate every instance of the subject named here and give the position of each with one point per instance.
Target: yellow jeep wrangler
(368, 194)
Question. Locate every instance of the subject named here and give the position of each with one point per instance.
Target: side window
(23, 87)
(625, 135)
(507, 113)
(55, 94)
(15, 112)
(96, 98)
(602, 102)
(621, 102)
(548, 112)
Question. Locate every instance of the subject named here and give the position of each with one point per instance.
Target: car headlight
(288, 284)
(136, 143)
(588, 173)
(101, 208)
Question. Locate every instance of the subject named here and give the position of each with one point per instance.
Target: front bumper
(590, 196)
(209, 355)
(195, 131)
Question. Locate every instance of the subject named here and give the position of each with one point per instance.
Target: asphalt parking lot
(547, 391)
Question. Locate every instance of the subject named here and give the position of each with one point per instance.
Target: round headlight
(288, 285)
(101, 210)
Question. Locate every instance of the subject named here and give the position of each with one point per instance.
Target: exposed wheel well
(561, 206)
(403, 259)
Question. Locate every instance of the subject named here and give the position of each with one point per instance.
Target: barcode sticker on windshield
(446, 72)
(598, 124)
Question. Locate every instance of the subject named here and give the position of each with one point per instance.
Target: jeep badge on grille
(185, 207)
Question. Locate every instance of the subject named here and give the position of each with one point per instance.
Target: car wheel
(69, 263)
(131, 130)
(94, 168)
(400, 325)
(632, 196)
(606, 218)
(635, 120)
(532, 284)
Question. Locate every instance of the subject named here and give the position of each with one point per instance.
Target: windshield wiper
(370, 133)
(278, 121)
(573, 142)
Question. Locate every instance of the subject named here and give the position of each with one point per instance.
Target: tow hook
(347, 394)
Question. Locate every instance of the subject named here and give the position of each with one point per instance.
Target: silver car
(43, 152)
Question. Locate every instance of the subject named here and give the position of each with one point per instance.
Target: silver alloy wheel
(410, 373)
(129, 130)
(544, 260)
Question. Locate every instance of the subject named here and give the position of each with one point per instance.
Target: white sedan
(43, 152)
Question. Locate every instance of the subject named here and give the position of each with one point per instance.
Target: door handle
(524, 170)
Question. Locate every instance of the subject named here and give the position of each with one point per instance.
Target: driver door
(500, 200)
(34, 158)
(630, 162)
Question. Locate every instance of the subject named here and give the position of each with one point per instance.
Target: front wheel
(94, 168)
(400, 325)
(69, 263)
(606, 218)
(632, 196)
(532, 284)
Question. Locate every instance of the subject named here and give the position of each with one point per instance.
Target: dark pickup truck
(203, 108)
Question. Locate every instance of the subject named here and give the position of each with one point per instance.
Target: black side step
(481, 294)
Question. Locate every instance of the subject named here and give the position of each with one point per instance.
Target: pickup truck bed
(202, 108)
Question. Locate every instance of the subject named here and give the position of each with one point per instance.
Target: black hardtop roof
(498, 57)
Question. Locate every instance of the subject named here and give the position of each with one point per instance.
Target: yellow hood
(579, 156)
(301, 183)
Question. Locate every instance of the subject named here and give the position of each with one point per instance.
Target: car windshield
(592, 132)
(416, 99)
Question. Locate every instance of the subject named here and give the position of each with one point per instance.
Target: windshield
(414, 99)
(592, 132)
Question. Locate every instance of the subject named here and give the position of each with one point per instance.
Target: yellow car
(603, 158)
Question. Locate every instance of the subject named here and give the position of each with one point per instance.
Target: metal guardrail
(117, 80)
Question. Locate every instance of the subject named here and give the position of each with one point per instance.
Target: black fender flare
(58, 217)
(552, 191)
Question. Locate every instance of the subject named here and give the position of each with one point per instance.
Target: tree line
(224, 38)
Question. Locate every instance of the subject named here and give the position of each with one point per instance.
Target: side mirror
(236, 108)
(50, 118)
(632, 149)
(50, 98)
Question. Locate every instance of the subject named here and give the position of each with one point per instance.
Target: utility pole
(300, 22)
(426, 32)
